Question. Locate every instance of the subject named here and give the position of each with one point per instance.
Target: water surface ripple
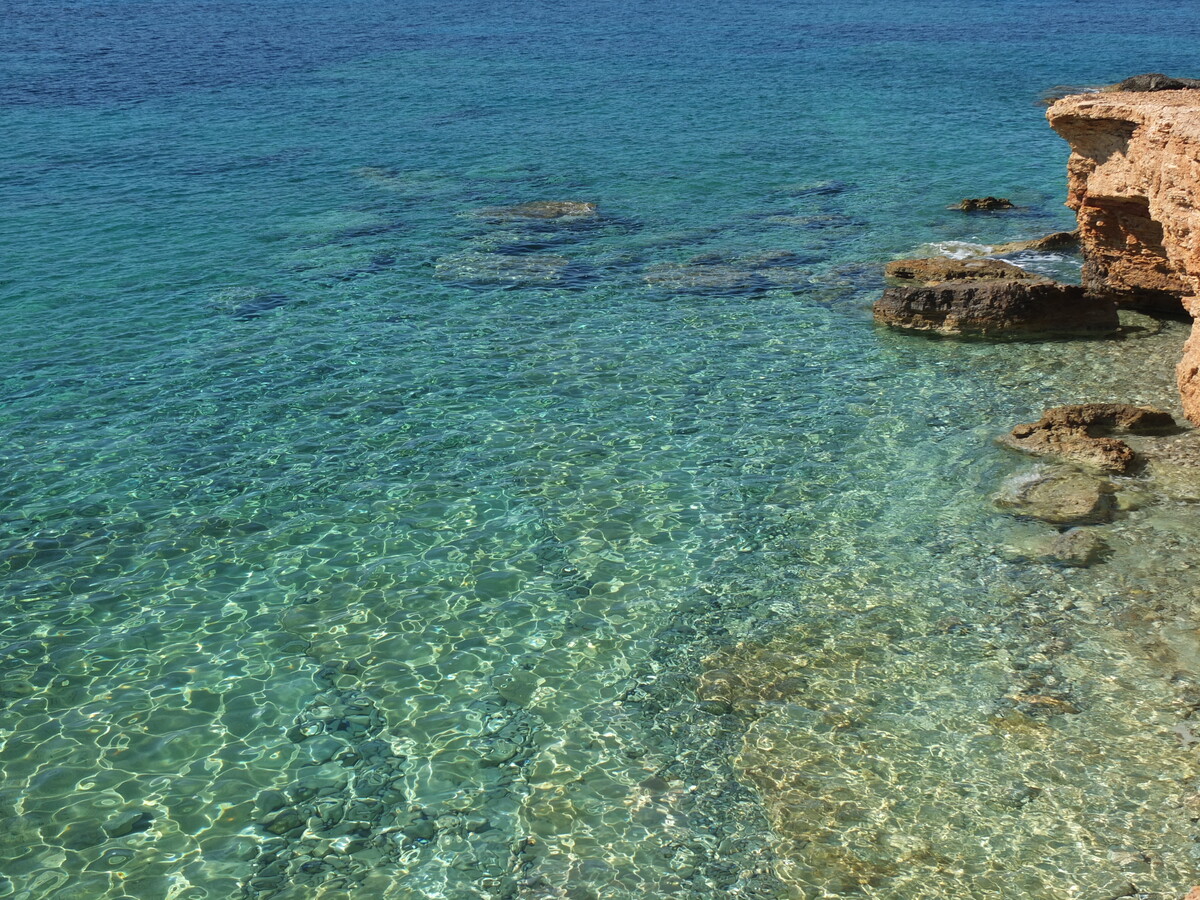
(359, 541)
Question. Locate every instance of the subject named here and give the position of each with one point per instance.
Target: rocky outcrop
(986, 204)
(1059, 240)
(1134, 183)
(1083, 434)
(988, 298)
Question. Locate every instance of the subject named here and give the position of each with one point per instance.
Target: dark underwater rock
(693, 277)
(248, 303)
(129, 822)
(720, 272)
(501, 268)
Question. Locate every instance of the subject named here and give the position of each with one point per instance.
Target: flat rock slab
(1002, 309)
(939, 269)
(1070, 498)
(1103, 454)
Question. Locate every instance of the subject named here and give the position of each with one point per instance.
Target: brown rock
(1099, 418)
(1070, 498)
(1082, 434)
(988, 204)
(1102, 454)
(541, 209)
(1007, 308)
(1193, 894)
(1059, 240)
(940, 269)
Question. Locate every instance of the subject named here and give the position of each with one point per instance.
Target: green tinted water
(356, 544)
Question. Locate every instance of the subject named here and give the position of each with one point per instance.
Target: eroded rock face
(997, 309)
(1082, 434)
(1110, 417)
(1134, 182)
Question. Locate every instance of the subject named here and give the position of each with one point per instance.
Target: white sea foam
(955, 249)
(1015, 486)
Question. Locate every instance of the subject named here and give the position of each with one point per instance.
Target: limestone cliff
(1134, 183)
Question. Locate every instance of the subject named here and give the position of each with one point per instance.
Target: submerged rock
(1008, 308)
(1078, 547)
(1081, 434)
(689, 277)
(128, 822)
(987, 204)
(1104, 454)
(542, 209)
(718, 271)
(246, 303)
(501, 268)
(1068, 498)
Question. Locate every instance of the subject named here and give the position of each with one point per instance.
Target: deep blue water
(356, 541)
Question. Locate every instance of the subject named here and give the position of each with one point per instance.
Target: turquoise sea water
(355, 543)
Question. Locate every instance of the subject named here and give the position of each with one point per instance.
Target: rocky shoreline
(1134, 184)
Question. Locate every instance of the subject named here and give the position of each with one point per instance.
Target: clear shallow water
(357, 544)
